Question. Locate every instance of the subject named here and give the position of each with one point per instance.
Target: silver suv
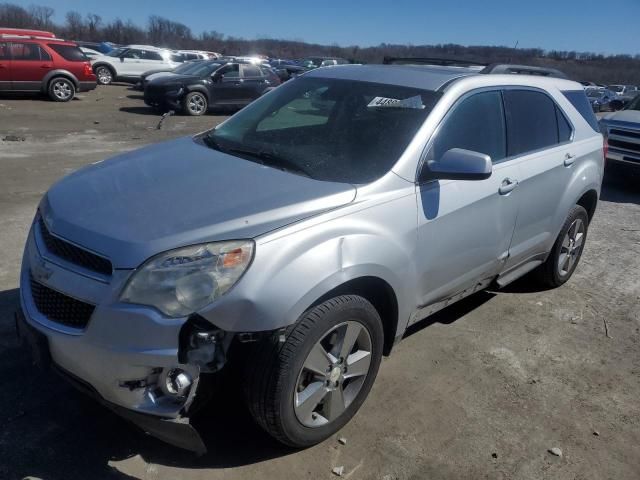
(302, 236)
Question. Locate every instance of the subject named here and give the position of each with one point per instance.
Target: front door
(29, 65)
(226, 87)
(465, 227)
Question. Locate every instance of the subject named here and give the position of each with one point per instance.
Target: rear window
(68, 52)
(581, 103)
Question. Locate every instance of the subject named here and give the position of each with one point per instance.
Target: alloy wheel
(62, 90)
(332, 374)
(104, 75)
(196, 104)
(571, 247)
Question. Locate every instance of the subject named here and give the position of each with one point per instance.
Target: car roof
(434, 77)
(425, 77)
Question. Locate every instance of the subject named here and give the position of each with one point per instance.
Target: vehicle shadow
(49, 430)
(141, 111)
(136, 97)
(452, 313)
(620, 185)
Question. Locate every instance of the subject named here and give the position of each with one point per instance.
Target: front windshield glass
(311, 62)
(634, 104)
(594, 93)
(616, 88)
(116, 52)
(328, 129)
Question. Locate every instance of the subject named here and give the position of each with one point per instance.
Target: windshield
(634, 104)
(116, 52)
(616, 88)
(203, 69)
(311, 62)
(328, 129)
(595, 93)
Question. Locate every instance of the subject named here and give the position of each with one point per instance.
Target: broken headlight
(182, 281)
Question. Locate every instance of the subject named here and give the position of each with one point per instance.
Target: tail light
(87, 69)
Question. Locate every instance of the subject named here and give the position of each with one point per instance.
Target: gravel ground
(481, 390)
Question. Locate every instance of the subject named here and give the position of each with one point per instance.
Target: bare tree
(41, 16)
(75, 25)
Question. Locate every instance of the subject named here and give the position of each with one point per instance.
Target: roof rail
(26, 32)
(505, 68)
(30, 37)
(442, 62)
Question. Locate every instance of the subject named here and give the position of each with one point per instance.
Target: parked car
(622, 90)
(310, 63)
(286, 69)
(188, 55)
(128, 63)
(146, 77)
(622, 131)
(302, 242)
(210, 84)
(90, 53)
(601, 99)
(55, 67)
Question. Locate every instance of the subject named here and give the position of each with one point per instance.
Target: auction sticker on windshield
(411, 102)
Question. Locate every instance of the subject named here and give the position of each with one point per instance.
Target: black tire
(550, 273)
(274, 370)
(104, 75)
(61, 89)
(195, 104)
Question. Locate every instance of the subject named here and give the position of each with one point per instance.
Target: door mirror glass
(457, 164)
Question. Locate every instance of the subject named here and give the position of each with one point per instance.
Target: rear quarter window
(68, 52)
(579, 100)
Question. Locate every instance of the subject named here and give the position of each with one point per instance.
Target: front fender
(289, 274)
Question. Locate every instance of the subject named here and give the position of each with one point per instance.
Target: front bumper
(123, 355)
(160, 99)
(177, 432)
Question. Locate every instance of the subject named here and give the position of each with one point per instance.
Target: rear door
(29, 65)
(5, 67)
(539, 139)
(465, 227)
(253, 83)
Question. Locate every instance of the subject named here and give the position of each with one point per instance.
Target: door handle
(569, 159)
(507, 186)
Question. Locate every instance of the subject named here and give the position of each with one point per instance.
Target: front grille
(624, 133)
(59, 307)
(629, 146)
(76, 255)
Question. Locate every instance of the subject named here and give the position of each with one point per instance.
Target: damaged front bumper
(176, 430)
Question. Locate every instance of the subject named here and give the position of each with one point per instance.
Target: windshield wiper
(270, 160)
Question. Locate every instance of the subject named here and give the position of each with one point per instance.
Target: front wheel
(104, 75)
(195, 104)
(567, 250)
(304, 390)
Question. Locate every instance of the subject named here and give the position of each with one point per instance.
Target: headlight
(182, 281)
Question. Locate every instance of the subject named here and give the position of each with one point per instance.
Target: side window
(133, 53)
(477, 124)
(230, 72)
(531, 121)
(564, 128)
(579, 100)
(147, 55)
(249, 71)
(28, 51)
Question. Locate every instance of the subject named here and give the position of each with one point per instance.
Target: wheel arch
(59, 73)
(104, 64)
(197, 88)
(589, 201)
(380, 294)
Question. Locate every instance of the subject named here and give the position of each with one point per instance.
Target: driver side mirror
(457, 164)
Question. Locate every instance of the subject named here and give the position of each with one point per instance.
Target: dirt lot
(482, 390)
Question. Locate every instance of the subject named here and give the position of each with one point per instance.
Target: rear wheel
(61, 89)
(195, 104)
(306, 389)
(104, 75)
(567, 250)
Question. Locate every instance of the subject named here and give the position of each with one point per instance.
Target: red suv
(43, 63)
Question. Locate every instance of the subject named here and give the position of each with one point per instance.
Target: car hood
(177, 193)
(629, 116)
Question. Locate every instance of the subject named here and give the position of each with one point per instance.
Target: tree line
(584, 66)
